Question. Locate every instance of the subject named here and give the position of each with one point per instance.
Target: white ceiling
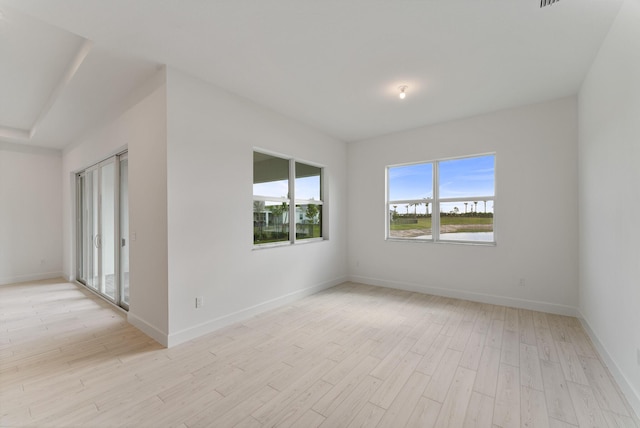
(333, 64)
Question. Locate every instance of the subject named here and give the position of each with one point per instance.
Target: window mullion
(292, 201)
(308, 202)
(435, 209)
(387, 216)
(270, 199)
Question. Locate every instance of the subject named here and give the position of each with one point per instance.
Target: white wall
(536, 210)
(211, 136)
(141, 129)
(609, 107)
(30, 213)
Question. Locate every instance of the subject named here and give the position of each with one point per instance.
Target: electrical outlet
(199, 302)
(521, 283)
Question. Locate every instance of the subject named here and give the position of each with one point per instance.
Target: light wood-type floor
(351, 356)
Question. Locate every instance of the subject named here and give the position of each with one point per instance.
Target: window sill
(257, 247)
(309, 241)
(430, 241)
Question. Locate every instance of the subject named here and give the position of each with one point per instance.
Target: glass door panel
(106, 237)
(124, 230)
(92, 226)
(81, 269)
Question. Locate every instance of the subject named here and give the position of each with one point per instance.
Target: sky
(458, 178)
(467, 177)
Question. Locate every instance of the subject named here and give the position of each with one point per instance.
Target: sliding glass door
(102, 244)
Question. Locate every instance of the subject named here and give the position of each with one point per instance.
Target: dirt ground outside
(447, 228)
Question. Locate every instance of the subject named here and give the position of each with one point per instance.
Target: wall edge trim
(31, 277)
(493, 299)
(190, 333)
(148, 329)
(629, 392)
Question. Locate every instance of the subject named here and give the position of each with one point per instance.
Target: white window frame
(435, 201)
(292, 206)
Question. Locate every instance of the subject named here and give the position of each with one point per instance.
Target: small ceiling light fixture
(544, 3)
(403, 92)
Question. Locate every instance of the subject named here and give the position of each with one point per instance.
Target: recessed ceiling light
(403, 91)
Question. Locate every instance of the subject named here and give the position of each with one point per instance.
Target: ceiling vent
(544, 3)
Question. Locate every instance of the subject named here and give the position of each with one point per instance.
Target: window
(450, 200)
(308, 189)
(285, 189)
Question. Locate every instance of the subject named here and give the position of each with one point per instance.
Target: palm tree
(258, 215)
(285, 211)
(475, 209)
(311, 213)
(426, 203)
(465, 207)
(280, 216)
(485, 206)
(258, 206)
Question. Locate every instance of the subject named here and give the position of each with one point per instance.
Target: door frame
(81, 238)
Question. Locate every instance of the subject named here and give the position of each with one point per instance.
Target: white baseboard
(30, 277)
(148, 329)
(630, 393)
(139, 323)
(533, 305)
(215, 324)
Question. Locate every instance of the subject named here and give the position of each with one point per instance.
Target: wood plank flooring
(351, 356)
